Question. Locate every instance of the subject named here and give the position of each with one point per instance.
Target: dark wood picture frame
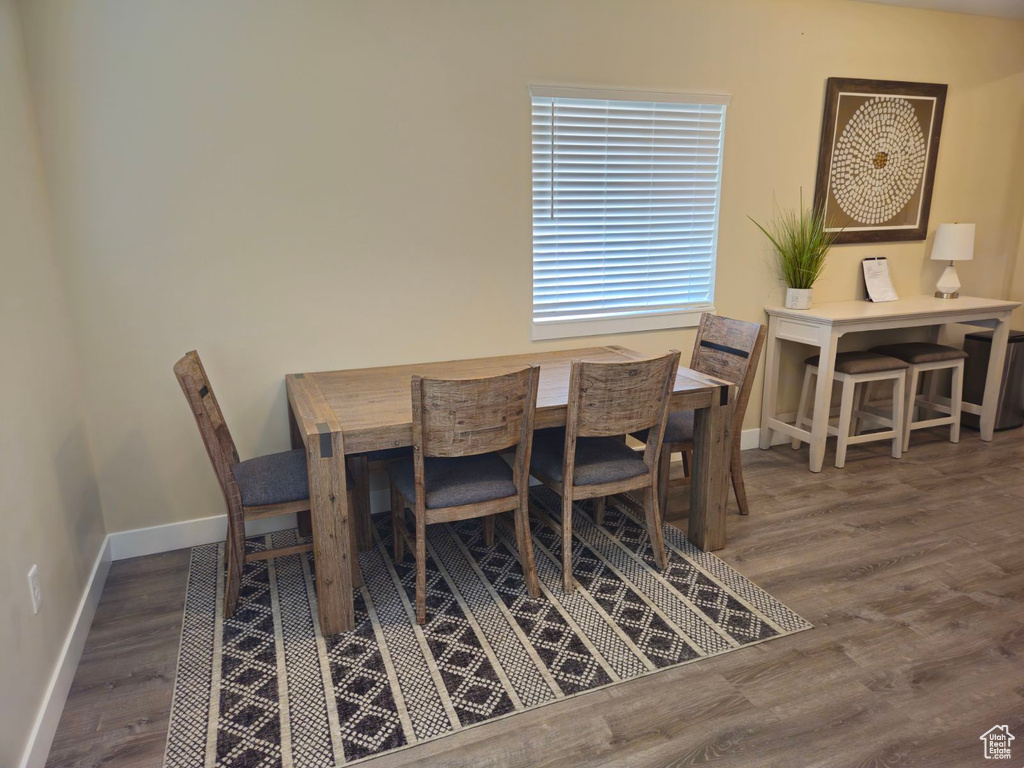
(910, 222)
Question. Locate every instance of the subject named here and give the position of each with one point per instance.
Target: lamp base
(949, 284)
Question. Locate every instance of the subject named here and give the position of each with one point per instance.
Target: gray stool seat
(862, 362)
(455, 481)
(915, 352)
(598, 459)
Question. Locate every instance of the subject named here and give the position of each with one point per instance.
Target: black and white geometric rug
(266, 689)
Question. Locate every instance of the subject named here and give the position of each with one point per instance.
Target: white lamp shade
(953, 242)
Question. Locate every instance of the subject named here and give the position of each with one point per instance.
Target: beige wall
(49, 501)
(309, 185)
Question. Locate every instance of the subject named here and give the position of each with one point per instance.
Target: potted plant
(801, 243)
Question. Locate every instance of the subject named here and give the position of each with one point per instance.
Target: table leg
(361, 515)
(303, 519)
(331, 543)
(823, 400)
(931, 388)
(994, 377)
(771, 383)
(709, 480)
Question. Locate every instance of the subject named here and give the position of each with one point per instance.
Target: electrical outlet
(33, 586)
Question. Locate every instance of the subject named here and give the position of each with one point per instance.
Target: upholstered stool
(855, 369)
(925, 357)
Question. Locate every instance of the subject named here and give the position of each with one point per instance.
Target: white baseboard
(750, 439)
(207, 530)
(186, 533)
(41, 737)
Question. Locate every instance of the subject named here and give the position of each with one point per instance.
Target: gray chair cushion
(598, 459)
(921, 352)
(452, 482)
(272, 479)
(678, 428)
(862, 362)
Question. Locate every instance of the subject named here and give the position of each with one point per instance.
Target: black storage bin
(1010, 409)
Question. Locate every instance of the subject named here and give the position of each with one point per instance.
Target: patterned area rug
(265, 688)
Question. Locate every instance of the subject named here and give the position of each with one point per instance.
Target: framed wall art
(876, 162)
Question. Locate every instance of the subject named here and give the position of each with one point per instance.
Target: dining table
(347, 413)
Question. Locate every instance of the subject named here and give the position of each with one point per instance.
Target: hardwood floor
(911, 570)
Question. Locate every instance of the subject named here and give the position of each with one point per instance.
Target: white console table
(822, 325)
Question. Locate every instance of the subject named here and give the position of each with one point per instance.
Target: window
(625, 209)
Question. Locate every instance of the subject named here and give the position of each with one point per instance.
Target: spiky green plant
(800, 242)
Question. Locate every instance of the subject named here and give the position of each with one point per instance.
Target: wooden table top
(373, 406)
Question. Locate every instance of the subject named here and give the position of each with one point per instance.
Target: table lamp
(953, 242)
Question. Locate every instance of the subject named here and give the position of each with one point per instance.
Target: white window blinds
(625, 202)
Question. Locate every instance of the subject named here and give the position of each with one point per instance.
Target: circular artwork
(879, 160)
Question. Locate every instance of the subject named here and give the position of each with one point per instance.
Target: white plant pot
(798, 298)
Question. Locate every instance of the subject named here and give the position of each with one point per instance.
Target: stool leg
(899, 386)
(801, 409)
(845, 416)
(956, 400)
(908, 415)
(931, 391)
(859, 401)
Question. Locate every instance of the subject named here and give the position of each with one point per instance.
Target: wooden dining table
(335, 414)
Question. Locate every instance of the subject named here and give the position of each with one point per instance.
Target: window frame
(677, 317)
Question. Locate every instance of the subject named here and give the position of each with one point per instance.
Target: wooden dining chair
(265, 486)
(589, 458)
(726, 349)
(456, 472)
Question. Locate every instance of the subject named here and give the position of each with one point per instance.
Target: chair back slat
(466, 417)
(729, 349)
(607, 399)
(209, 418)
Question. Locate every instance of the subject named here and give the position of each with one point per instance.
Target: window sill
(607, 326)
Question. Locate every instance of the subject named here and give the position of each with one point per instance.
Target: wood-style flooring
(911, 570)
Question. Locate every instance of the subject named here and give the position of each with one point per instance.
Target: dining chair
(726, 349)
(264, 486)
(456, 472)
(589, 458)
